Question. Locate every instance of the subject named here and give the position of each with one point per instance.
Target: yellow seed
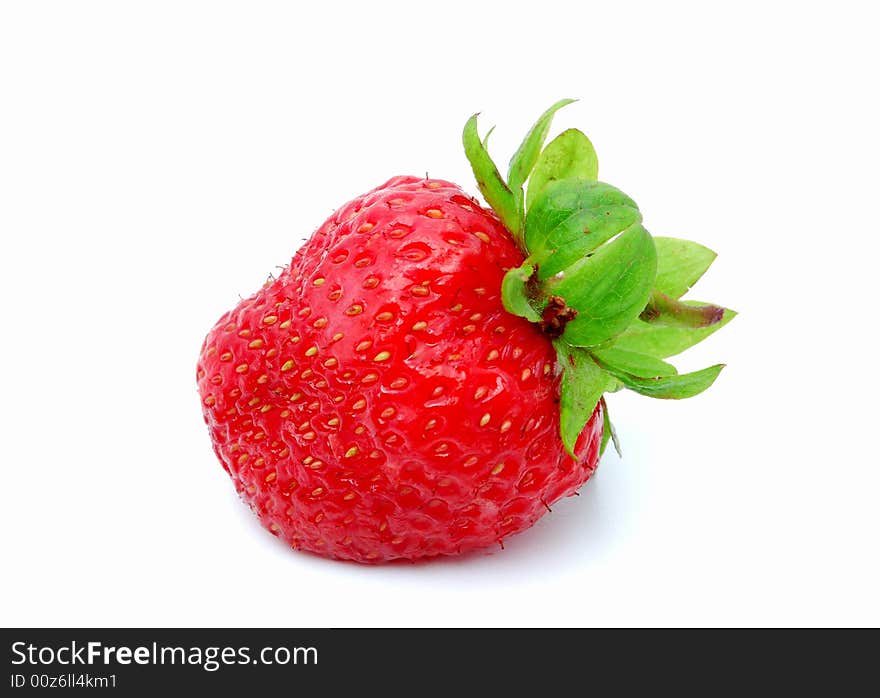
(371, 282)
(271, 476)
(498, 468)
(335, 295)
(363, 346)
(480, 393)
(311, 351)
(339, 398)
(331, 362)
(211, 351)
(476, 317)
(434, 213)
(287, 365)
(210, 400)
(348, 497)
(274, 527)
(296, 397)
(430, 424)
(355, 309)
(467, 329)
(516, 353)
(387, 413)
(420, 291)
(284, 414)
(241, 368)
(320, 323)
(336, 337)
(316, 465)
(230, 327)
(305, 312)
(385, 316)
(256, 344)
(382, 356)
(253, 401)
(309, 436)
(226, 356)
(433, 185)
(480, 291)
(505, 425)
(284, 325)
(437, 391)
(270, 319)
(273, 352)
(365, 228)
(350, 453)
(370, 378)
(456, 308)
(454, 357)
(317, 492)
(482, 236)
(265, 408)
(546, 369)
(470, 462)
(419, 326)
(485, 419)
(360, 429)
(321, 384)
(333, 422)
(383, 526)
(525, 374)
(363, 262)
(319, 281)
(293, 340)
(359, 404)
(398, 383)
(492, 355)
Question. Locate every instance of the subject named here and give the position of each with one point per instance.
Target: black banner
(389, 662)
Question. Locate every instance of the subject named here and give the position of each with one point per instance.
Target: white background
(158, 159)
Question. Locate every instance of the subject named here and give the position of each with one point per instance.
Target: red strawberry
(380, 399)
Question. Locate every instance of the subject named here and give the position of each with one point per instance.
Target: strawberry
(426, 376)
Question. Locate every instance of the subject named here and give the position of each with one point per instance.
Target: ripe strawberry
(396, 392)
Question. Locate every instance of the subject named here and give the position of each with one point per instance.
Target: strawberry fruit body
(404, 389)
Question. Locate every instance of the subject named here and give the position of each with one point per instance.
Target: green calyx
(594, 280)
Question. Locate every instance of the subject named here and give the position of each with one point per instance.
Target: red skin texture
(377, 402)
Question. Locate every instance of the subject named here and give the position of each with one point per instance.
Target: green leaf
(680, 264)
(568, 156)
(608, 431)
(633, 363)
(677, 387)
(526, 156)
(666, 310)
(493, 188)
(608, 288)
(583, 383)
(572, 217)
(663, 341)
(515, 293)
